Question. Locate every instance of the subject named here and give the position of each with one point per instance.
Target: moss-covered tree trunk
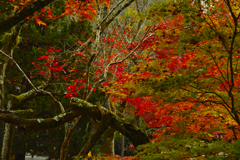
(7, 141)
(109, 135)
(138, 121)
(83, 121)
(3, 66)
(8, 133)
(122, 146)
(108, 142)
(10, 41)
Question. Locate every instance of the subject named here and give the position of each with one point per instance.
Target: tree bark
(3, 66)
(100, 129)
(122, 146)
(108, 142)
(67, 138)
(7, 141)
(138, 121)
(68, 135)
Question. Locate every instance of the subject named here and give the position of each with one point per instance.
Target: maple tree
(189, 86)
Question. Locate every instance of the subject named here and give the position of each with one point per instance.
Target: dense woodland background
(141, 79)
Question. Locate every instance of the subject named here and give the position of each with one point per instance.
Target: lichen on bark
(106, 118)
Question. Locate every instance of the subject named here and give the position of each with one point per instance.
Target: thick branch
(105, 23)
(27, 11)
(100, 129)
(80, 107)
(104, 20)
(17, 111)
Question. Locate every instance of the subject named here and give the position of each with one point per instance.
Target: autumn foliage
(180, 75)
(187, 76)
(189, 84)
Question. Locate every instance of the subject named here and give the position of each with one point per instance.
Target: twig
(20, 69)
(30, 82)
(120, 61)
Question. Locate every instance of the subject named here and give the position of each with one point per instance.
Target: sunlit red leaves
(98, 71)
(72, 90)
(78, 9)
(51, 64)
(43, 57)
(50, 51)
(57, 50)
(82, 9)
(39, 22)
(202, 59)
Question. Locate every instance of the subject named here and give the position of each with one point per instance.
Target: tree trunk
(138, 121)
(7, 137)
(84, 123)
(108, 142)
(8, 131)
(67, 138)
(7, 141)
(100, 129)
(9, 43)
(122, 146)
(3, 66)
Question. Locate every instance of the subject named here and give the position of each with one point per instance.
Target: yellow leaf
(15, 7)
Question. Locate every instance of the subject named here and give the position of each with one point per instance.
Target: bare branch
(39, 90)
(20, 69)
